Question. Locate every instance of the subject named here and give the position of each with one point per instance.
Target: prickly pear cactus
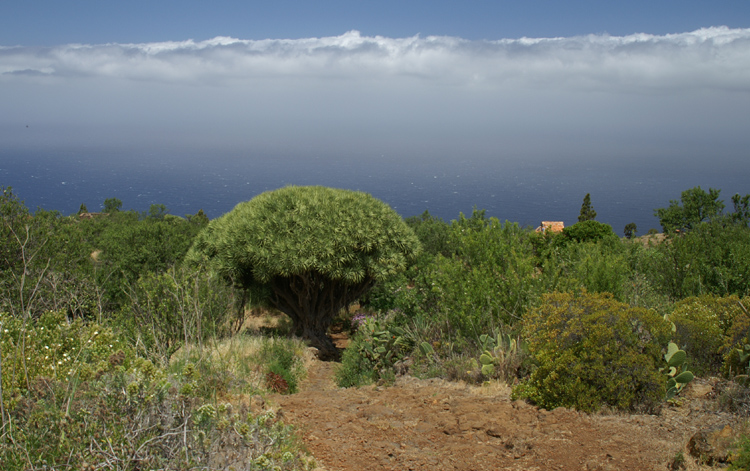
(676, 370)
(382, 345)
(426, 348)
(495, 351)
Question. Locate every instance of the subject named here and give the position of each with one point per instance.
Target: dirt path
(437, 425)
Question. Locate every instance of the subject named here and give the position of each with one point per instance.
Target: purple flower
(359, 319)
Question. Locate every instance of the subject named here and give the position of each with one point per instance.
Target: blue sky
(580, 82)
(52, 22)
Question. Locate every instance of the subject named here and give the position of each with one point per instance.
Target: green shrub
(371, 355)
(433, 234)
(168, 310)
(740, 457)
(51, 347)
(384, 294)
(280, 357)
(131, 247)
(600, 266)
(702, 324)
(356, 368)
(464, 301)
(593, 351)
(712, 258)
(736, 346)
(489, 281)
(589, 231)
(642, 287)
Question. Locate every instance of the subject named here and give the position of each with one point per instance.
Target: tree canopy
(307, 251)
(695, 206)
(112, 205)
(630, 230)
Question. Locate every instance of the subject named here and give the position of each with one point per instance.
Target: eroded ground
(436, 425)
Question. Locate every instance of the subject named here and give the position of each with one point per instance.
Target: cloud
(423, 97)
(710, 58)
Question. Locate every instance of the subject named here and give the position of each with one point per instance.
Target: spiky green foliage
(501, 357)
(307, 251)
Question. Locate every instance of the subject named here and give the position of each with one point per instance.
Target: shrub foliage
(593, 351)
(702, 325)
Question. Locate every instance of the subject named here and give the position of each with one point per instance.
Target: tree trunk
(312, 300)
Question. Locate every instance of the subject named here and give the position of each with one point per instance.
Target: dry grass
(258, 320)
(651, 239)
(494, 388)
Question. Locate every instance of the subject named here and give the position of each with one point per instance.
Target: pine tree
(587, 211)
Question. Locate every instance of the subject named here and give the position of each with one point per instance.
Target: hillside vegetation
(116, 353)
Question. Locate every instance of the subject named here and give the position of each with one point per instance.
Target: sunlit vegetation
(118, 350)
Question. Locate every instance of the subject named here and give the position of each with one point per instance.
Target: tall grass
(86, 401)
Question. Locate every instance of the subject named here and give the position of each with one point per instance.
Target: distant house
(551, 226)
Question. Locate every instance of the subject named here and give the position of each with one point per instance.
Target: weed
(740, 457)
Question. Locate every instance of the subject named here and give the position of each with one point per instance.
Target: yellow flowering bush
(593, 351)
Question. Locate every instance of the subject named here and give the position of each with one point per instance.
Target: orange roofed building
(551, 226)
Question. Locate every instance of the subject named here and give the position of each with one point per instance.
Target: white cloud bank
(587, 97)
(716, 57)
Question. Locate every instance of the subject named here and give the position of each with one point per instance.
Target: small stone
(711, 446)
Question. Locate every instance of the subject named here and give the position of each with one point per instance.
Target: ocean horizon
(525, 191)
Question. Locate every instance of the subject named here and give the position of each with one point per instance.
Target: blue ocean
(518, 190)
